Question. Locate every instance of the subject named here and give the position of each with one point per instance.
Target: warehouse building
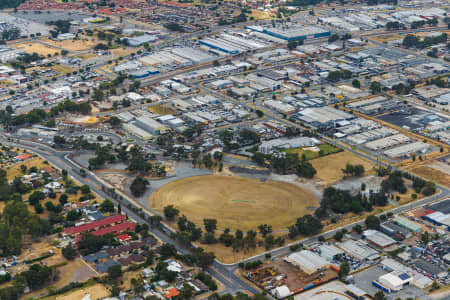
(388, 142)
(280, 107)
(323, 116)
(378, 239)
(443, 99)
(141, 40)
(294, 32)
(268, 147)
(359, 250)
(330, 252)
(438, 218)
(395, 281)
(218, 45)
(407, 224)
(307, 261)
(137, 131)
(408, 149)
(148, 124)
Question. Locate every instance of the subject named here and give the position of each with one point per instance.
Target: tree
(85, 189)
(372, 222)
(425, 238)
(35, 197)
(353, 170)
(344, 269)
(107, 206)
(357, 228)
(63, 199)
(210, 224)
(170, 212)
(37, 276)
(410, 41)
(292, 45)
(115, 272)
(429, 188)
(338, 236)
(204, 259)
(73, 215)
(333, 38)
(379, 296)
(375, 87)
(139, 186)
(114, 121)
(69, 252)
(356, 83)
(265, 229)
(305, 169)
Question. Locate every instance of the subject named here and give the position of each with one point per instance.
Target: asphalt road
(223, 273)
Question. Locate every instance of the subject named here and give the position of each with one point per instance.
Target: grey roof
(103, 267)
(91, 258)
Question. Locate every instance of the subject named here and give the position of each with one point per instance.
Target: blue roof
(404, 276)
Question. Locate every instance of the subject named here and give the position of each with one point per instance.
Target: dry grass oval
(236, 202)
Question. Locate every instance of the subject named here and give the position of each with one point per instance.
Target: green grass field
(325, 149)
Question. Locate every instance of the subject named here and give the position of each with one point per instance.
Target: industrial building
(141, 40)
(280, 107)
(268, 147)
(307, 261)
(387, 142)
(395, 281)
(8, 54)
(330, 252)
(407, 224)
(294, 32)
(438, 218)
(378, 239)
(359, 250)
(325, 116)
(137, 131)
(148, 124)
(408, 149)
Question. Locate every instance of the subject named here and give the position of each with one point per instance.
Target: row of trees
(342, 201)
(10, 34)
(38, 115)
(286, 163)
(412, 41)
(34, 278)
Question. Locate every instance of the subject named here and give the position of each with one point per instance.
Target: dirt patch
(279, 272)
(236, 203)
(15, 171)
(434, 173)
(329, 168)
(38, 48)
(158, 109)
(73, 45)
(96, 291)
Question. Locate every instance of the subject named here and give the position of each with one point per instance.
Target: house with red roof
(95, 225)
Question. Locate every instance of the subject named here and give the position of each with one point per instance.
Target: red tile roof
(127, 226)
(124, 237)
(95, 224)
(173, 292)
(23, 156)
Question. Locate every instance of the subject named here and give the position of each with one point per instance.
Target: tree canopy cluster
(286, 163)
(412, 41)
(342, 201)
(38, 115)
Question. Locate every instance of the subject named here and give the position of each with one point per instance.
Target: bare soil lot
(30, 48)
(236, 203)
(435, 171)
(73, 45)
(329, 168)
